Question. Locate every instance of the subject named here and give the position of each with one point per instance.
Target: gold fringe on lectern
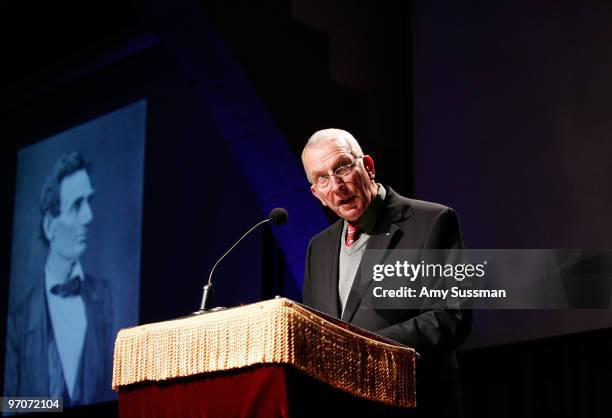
(277, 331)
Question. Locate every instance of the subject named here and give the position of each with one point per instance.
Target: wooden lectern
(270, 359)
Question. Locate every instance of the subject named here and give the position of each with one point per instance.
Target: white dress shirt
(69, 323)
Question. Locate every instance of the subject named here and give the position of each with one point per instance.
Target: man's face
(347, 196)
(67, 233)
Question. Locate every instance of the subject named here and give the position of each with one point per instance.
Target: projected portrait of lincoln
(59, 335)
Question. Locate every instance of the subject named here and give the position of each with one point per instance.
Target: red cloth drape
(271, 391)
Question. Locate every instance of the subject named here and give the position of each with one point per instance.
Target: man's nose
(85, 214)
(337, 183)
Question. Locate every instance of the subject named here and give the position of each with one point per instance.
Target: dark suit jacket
(30, 348)
(434, 333)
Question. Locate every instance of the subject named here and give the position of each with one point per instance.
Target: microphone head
(278, 216)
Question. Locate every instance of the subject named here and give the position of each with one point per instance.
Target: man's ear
(49, 226)
(368, 164)
(315, 192)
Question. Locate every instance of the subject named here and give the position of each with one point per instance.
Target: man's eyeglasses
(322, 182)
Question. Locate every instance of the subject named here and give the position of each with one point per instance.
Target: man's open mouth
(346, 201)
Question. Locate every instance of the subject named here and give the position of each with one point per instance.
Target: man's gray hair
(333, 135)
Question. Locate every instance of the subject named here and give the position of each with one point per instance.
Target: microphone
(277, 216)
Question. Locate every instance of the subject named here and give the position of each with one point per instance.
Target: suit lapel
(384, 236)
(38, 331)
(381, 241)
(331, 301)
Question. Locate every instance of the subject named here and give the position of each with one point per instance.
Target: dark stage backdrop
(512, 128)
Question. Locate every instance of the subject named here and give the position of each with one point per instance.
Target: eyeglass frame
(351, 167)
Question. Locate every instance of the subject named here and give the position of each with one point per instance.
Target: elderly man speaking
(373, 216)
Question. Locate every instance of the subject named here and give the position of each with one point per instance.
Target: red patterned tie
(352, 234)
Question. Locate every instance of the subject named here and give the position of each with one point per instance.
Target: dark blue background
(500, 110)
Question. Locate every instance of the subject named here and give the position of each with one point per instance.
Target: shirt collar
(77, 271)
